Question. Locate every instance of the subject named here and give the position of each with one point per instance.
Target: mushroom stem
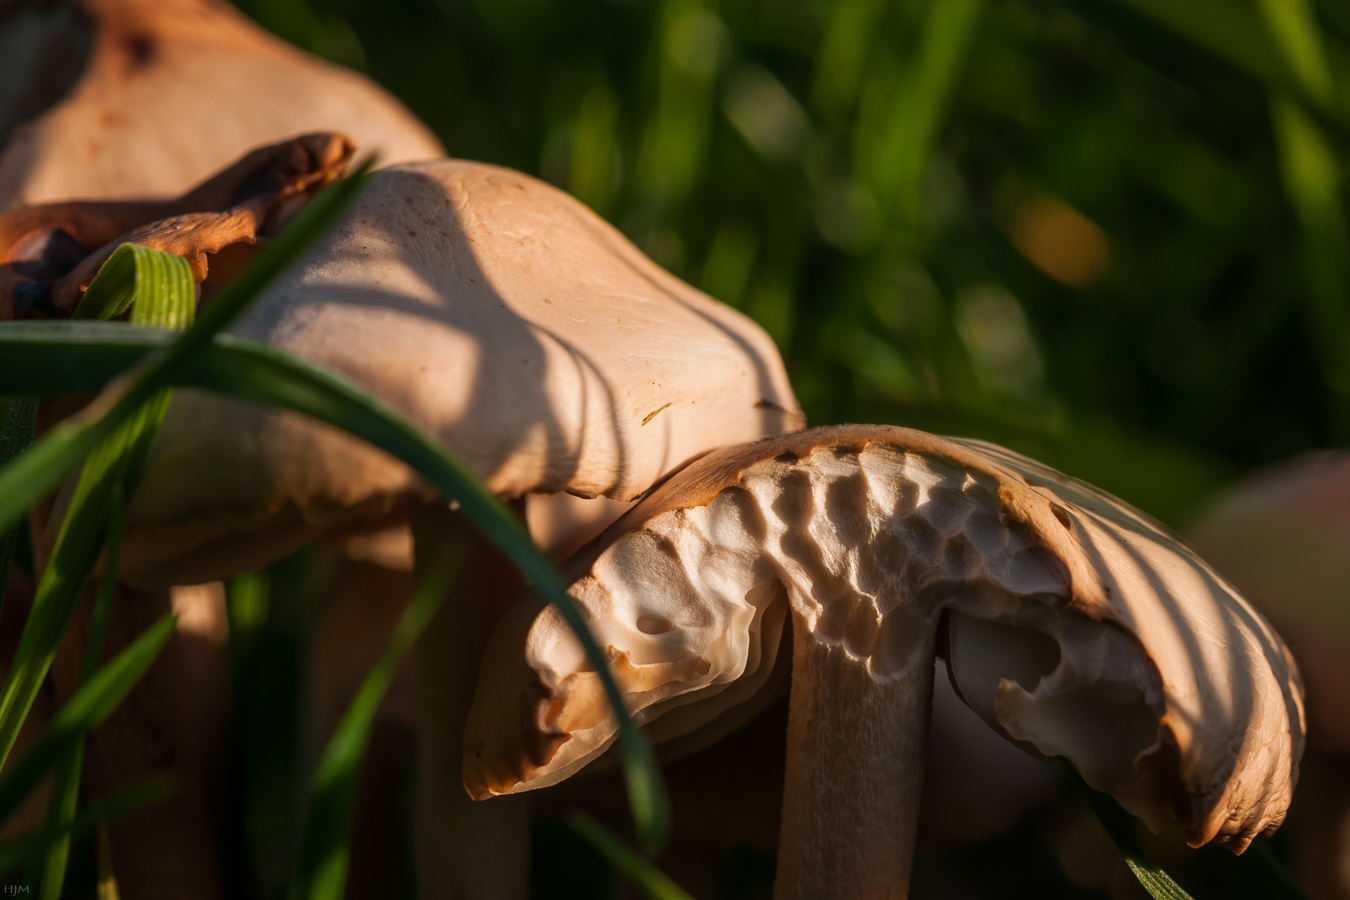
(464, 849)
(165, 850)
(855, 757)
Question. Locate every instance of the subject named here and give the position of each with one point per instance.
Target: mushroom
(524, 333)
(170, 91)
(1072, 625)
(1282, 536)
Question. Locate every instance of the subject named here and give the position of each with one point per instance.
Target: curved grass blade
(16, 434)
(322, 870)
(61, 814)
(160, 285)
(84, 711)
(275, 378)
(262, 374)
(27, 479)
(648, 879)
(132, 274)
(105, 809)
(1116, 821)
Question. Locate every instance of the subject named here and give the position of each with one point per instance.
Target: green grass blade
(848, 37)
(322, 870)
(105, 809)
(278, 379)
(133, 273)
(948, 31)
(160, 285)
(1116, 821)
(274, 378)
(56, 358)
(1293, 29)
(1312, 181)
(66, 789)
(16, 435)
(84, 711)
(650, 880)
(262, 374)
(28, 478)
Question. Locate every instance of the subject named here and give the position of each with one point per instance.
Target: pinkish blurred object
(1282, 537)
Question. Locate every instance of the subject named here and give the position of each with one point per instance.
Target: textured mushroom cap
(498, 315)
(174, 90)
(1077, 626)
(1282, 536)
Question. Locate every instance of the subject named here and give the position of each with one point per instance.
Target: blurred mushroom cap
(173, 90)
(1282, 536)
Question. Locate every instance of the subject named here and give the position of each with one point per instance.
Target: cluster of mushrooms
(650, 438)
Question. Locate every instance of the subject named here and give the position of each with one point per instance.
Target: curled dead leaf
(50, 253)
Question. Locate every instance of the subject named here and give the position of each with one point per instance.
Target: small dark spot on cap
(766, 403)
(1062, 515)
(139, 50)
(411, 233)
(652, 415)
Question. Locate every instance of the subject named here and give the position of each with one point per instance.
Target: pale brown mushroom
(522, 332)
(1072, 625)
(1282, 536)
(168, 92)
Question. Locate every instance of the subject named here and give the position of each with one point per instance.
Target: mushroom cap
(1077, 627)
(1282, 536)
(498, 315)
(174, 90)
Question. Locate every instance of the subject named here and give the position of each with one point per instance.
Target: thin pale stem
(465, 849)
(855, 757)
(165, 850)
